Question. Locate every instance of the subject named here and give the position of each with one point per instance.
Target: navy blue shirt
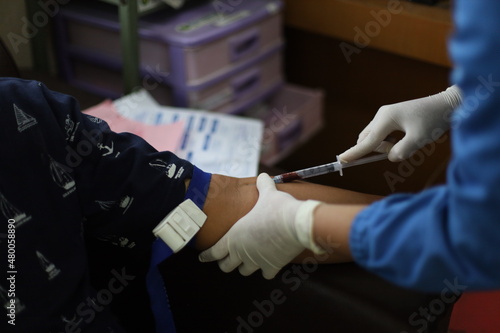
(65, 176)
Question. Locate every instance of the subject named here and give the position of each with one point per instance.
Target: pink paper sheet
(161, 137)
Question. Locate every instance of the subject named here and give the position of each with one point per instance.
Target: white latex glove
(420, 120)
(276, 230)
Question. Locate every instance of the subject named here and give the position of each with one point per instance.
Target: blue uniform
(65, 176)
(451, 233)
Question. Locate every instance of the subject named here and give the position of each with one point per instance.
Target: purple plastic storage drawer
(292, 116)
(229, 94)
(106, 81)
(190, 47)
(239, 88)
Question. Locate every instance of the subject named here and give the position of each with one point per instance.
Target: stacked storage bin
(196, 57)
(224, 59)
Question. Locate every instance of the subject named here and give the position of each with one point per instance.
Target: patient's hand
(273, 233)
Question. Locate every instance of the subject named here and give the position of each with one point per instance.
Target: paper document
(162, 138)
(214, 142)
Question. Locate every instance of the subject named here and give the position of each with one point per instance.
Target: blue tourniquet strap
(197, 191)
(157, 293)
(198, 187)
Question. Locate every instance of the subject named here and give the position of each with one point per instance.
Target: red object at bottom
(476, 313)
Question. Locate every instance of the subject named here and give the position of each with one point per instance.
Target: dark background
(353, 93)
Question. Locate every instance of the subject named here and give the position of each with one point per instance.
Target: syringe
(325, 168)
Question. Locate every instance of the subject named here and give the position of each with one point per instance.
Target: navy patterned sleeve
(125, 187)
(64, 175)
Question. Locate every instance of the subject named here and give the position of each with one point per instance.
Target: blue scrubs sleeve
(450, 233)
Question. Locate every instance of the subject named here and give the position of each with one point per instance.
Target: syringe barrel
(318, 170)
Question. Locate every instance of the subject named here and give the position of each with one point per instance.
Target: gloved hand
(276, 230)
(418, 118)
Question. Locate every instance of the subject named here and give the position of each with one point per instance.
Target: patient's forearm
(230, 198)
